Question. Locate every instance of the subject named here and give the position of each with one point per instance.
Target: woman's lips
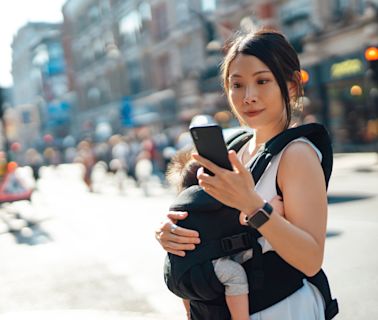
(252, 113)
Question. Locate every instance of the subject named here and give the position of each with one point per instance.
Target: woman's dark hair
(276, 52)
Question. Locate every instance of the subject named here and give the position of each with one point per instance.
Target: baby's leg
(232, 275)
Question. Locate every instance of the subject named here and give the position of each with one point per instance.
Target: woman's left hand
(233, 188)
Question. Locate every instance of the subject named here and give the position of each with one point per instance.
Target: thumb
(176, 215)
(236, 164)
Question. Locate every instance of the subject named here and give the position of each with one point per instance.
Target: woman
(261, 77)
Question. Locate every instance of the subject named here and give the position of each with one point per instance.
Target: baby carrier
(270, 278)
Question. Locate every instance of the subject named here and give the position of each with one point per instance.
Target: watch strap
(260, 216)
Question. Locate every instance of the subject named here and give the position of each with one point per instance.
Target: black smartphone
(209, 142)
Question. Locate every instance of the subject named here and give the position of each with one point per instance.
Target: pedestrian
(261, 77)
(182, 174)
(144, 171)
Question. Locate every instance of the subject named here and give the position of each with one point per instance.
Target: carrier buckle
(235, 242)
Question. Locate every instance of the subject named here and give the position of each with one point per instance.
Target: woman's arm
(299, 239)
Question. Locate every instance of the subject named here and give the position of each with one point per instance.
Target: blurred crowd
(139, 154)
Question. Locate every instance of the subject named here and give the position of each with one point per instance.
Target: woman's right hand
(175, 239)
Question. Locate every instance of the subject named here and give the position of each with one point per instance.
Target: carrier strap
(227, 246)
(320, 281)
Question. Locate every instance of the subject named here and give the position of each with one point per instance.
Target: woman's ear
(293, 90)
(295, 87)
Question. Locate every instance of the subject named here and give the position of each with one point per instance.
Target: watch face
(258, 219)
(261, 216)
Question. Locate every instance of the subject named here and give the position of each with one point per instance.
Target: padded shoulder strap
(315, 132)
(236, 140)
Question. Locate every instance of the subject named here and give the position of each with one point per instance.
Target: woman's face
(254, 93)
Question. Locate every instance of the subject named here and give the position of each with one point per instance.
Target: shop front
(341, 97)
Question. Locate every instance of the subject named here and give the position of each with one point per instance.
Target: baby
(182, 173)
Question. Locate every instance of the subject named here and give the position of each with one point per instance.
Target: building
(156, 62)
(95, 67)
(39, 80)
(331, 37)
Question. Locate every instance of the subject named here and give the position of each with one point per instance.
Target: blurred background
(96, 99)
(140, 68)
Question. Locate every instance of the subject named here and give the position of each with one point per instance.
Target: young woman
(261, 76)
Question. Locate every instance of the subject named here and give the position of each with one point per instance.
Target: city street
(77, 255)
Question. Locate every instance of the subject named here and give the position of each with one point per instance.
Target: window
(145, 11)
(55, 51)
(209, 5)
(182, 12)
(191, 55)
(160, 20)
(130, 27)
(135, 76)
(93, 14)
(340, 7)
(163, 72)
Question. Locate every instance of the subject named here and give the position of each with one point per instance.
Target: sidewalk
(81, 315)
(352, 235)
(361, 162)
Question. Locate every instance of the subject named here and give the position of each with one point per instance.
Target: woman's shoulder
(301, 148)
(300, 156)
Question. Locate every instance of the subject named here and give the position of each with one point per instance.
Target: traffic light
(371, 56)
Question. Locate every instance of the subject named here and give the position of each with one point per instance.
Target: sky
(15, 14)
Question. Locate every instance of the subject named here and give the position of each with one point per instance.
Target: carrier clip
(236, 242)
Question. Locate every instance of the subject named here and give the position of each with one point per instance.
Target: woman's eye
(236, 85)
(262, 81)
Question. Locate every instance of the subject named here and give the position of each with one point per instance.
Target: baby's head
(182, 170)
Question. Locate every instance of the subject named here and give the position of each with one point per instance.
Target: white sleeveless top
(307, 302)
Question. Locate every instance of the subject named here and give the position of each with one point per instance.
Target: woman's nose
(250, 96)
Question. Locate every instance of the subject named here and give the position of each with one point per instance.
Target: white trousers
(304, 304)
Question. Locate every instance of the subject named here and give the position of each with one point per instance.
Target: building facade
(137, 63)
(94, 65)
(340, 93)
(155, 63)
(40, 83)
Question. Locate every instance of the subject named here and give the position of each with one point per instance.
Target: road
(93, 255)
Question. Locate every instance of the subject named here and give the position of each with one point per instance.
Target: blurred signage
(127, 112)
(346, 68)
(58, 113)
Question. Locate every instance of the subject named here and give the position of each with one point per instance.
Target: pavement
(351, 259)
(103, 242)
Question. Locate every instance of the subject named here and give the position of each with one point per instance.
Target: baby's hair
(182, 170)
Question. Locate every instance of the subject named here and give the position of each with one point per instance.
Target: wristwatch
(260, 216)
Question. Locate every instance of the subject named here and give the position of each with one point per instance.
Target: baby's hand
(277, 204)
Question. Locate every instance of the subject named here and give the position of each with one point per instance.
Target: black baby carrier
(270, 278)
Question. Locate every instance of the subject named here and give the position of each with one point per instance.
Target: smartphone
(209, 142)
